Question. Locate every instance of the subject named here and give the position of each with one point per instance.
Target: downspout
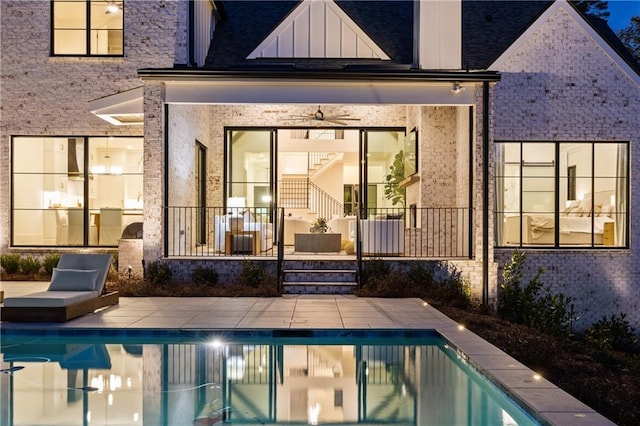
(166, 181)
(485, 193)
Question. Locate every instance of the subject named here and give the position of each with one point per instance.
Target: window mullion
(87, 47)
(556, 213)
(593, 194)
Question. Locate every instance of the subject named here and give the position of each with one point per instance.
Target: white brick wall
(48, 96)
(560, 85)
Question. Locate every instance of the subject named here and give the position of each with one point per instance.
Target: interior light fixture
(457, 88)
(112, 7)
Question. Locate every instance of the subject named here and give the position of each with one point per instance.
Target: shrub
(10, 263)
(417, 273)
(391, 284)
(204, 276)
(29, 265)
(374, 269)
(614, 332)
(50, 262)
(455, 289)
(254, 275)
(158, 273)
(533, 305)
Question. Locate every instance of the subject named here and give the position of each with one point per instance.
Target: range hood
(73, 171)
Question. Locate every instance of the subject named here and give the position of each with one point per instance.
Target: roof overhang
(124, 108)
(318, 86)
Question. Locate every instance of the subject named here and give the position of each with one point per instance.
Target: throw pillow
(73, 280)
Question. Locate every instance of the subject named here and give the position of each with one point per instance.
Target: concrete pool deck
(327, 312)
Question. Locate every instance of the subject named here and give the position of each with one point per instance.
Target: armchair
(382, 237)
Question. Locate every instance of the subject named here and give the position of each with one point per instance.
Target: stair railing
(323, 204)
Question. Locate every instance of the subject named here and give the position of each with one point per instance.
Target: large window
(87, 27)
(554, 194)
(75, 191)
(249, 168)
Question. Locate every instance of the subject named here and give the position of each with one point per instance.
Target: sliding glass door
(250, 170)
(382, 168)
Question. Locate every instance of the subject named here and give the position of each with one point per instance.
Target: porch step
(307, 287)
(308, 277)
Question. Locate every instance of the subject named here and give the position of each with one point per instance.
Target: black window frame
(557, 245)
(86, 177)
(571, 182)
(87, 31)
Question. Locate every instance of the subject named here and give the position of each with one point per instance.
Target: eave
(290, 73)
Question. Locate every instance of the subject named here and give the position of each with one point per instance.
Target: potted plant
(392, 189)
(319, 226)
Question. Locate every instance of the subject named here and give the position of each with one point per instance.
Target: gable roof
(320, 29)
(489, 28)
(596, 28)
(387, 23)
(604, 30)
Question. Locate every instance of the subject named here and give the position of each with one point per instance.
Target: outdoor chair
(76, 288)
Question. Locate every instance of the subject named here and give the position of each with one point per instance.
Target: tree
(597, 8)
(630, 36)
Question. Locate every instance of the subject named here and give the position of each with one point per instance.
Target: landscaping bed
(608, 381)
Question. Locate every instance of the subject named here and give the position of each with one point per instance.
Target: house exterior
(516, 123)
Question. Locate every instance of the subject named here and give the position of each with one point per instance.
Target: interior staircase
(320, 276)
(297, 191)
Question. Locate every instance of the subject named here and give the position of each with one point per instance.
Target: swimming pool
(116, 377)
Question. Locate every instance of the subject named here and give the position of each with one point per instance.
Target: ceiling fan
(320, 116)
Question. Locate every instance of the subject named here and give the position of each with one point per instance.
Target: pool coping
(318, 314)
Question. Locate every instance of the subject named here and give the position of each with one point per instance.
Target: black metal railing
(280, 239)
(216, 231)
(422, 232)
(417, 232)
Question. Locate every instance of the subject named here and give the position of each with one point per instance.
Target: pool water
(207, 378)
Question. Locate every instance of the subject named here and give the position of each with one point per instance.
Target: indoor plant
(319, 226)
(392, 189)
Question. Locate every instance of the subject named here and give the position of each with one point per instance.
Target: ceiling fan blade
(335, 121)
(341, 118)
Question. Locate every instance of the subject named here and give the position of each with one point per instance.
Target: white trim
(582, 23)
(317, 92)
(124, 104)
(318, 29)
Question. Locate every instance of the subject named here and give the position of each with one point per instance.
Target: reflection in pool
(204, 379)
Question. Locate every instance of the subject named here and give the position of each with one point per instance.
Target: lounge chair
(76, 288)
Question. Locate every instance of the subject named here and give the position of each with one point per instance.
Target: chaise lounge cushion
(49, 299)
(73, 280)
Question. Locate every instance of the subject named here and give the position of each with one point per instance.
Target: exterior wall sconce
(457, 88)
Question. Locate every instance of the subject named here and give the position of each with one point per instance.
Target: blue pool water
(123, 377)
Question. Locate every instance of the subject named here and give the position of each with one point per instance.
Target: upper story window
(87, 27)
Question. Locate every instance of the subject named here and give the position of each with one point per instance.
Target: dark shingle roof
(248, 23)
(489, 28)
